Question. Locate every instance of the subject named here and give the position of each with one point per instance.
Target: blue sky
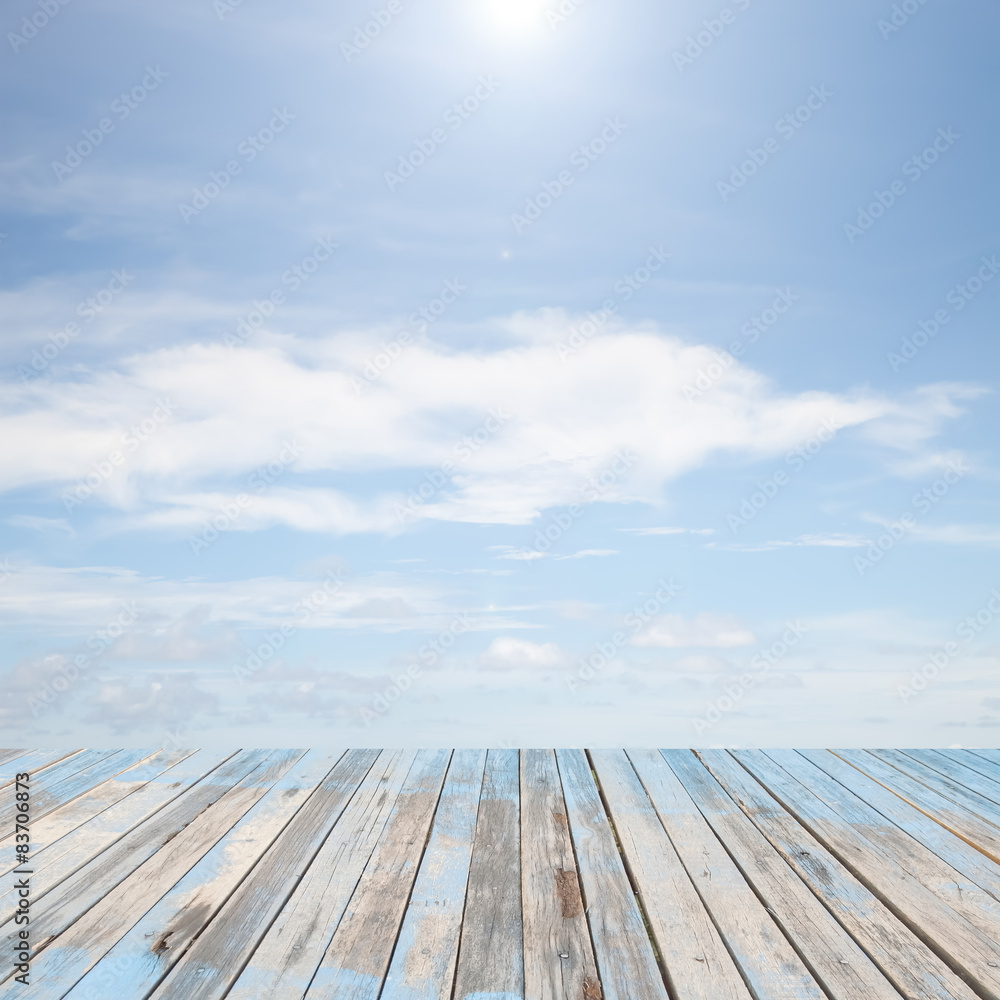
(514, 373)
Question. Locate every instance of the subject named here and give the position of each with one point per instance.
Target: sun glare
(515, 18)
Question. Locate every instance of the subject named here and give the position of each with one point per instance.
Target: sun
(515, 18)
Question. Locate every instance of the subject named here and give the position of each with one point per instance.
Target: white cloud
(669, 531)
(509, 653)
(705, 629)
(564, 423)
(834, 540)
(584, 553)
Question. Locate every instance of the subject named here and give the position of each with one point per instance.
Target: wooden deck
(539, 874)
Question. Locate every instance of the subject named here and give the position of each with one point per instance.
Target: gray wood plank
(285, 961)
(968, 777)
(887, 942)
(966, 949)
(34, 762)
(956, 852)
(769, 963)
(626, 961)
(559, 959)
(698, 966)
(155, 944)
(424, 961)
(357, 959)
(490, 958)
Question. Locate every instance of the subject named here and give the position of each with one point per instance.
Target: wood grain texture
(697, 963)
(966, 949)
(357, 959)
(622, 947)
(559, 959)
(490, 958)
(424, 961)
(285, 961)
(769, 963)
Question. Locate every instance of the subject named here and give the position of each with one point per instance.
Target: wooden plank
(967, 777)
(833, 957)
(34, 762)
(899, 955)
(962, 822)
(215, 960)
(961, 894)
(7, 755)
(358, 957)
(966, 949)
(423, 964)
(286, 960)
(61, 784)
(626, 960)
(491, 956)
(768, 962)
(120, 906)
(958, 792)
(141, 958)
(60, 859)
(951, 849)
(698, 966)
(68, 817)
(977, 760)
(559, 959)
(238, 778)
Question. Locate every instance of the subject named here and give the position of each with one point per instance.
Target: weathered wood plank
(357, 959)
(961, 821)
(154, 944)
(698, 966)
(490, 958)
(626, 961)
(33, 762)
(951, 849)
(6, 755)
(286, 960)
(118, 908)
(767, 960)
(962, 895)
(901, 956)
(239, 779)
(836, 961)
(423, 964)
(216, 958)
(61, 784)
(978, 760)
(966, 949)
(941, 762)
(559, 959)
(61, 858)
(68, 817)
